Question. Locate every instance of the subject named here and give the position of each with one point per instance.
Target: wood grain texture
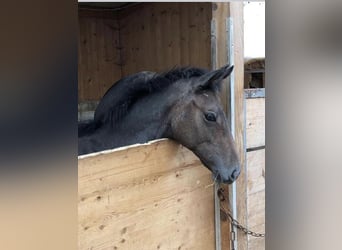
(255, 162)
(98, 54)
(236, 12)
(148, 36)
(220, 14)
(256, 197)
(145, 197)
(256, 171)
(256, 219)
(255, 122)
(221, 11)
(160, 36)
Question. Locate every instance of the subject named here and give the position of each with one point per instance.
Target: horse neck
(147, 120)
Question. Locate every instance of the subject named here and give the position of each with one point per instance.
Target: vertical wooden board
(133, 22)
(221, 12)
(152, 36)
(160, 36)
(256, 197)
(256, 219)
(236, 13)
(256, 171)
(153, 196)
(99, 55)
(255, 122)
(81, 59)
(256, 244)
(184, 35)
(225, 223)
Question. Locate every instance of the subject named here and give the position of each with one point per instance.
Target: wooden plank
(185, 47)
(256, 197)
(220, 12)
(96, 13)
(255, 122)
(255, 131)
(153, 196)
(256, 171)
(256, 244)
(236, 13)
(255, 93)
(160, 36)
(150, 36)
(98, 66)
(256, 219)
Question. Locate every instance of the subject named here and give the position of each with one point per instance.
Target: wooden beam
(98, 53)
(220, 12)
(255, 93)
(159, 36)
(236, 13)
(255, 122)
(153, 196)
(256, 197)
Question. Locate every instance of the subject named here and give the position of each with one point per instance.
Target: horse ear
(213, 78)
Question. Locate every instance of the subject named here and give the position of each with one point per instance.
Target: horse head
(198, 122)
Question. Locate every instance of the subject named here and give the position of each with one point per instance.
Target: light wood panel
(256, 171)
(160, 36)
(256, 197)
(255, 122)
(148, 36)
(255, 137)
(98, 54)
(153, 196)
(220, 12)
(236, 13)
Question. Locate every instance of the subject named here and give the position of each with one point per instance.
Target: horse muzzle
(227, 177)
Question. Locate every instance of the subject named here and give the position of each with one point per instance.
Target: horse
(182, 104)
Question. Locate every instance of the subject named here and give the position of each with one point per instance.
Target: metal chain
(235, 222)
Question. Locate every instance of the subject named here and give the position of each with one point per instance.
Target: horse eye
(210, 116)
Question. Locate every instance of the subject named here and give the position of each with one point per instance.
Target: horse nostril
(235, 174)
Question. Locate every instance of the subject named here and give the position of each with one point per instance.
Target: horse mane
(178, 73)
(86, 128)
(118, 100)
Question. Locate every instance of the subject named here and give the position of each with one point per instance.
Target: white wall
(254, 29)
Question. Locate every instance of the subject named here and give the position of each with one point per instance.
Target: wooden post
(236, 12)
(220, 12)
(255, 164)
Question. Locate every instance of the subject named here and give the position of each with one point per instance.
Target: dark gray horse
(182, 104)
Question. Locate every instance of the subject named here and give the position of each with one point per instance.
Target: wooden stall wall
(98, 53)
(160, 36)
(153, 196)
(148, 36)
(255, 162)
(157, 37)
